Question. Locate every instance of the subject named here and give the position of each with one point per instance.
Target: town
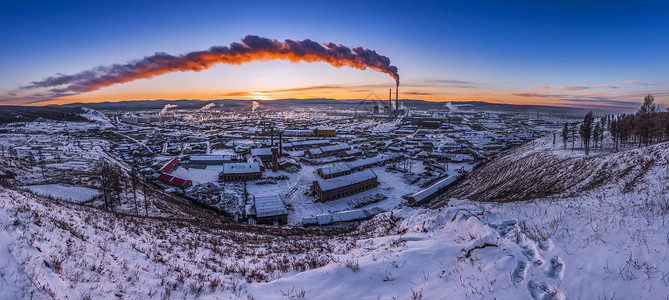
(321, 168)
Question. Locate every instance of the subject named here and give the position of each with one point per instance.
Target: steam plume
(254, 106)
(165, 108)
(208, 106)
(252, 48)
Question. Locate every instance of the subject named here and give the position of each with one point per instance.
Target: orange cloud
(540, 87)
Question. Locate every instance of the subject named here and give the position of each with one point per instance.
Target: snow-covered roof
(342, 216)
(334, 169)
(261, 151)
(270, 206)
(207, 157)
(237, 168)
(335, 147)
(346, 180)
(430, 190)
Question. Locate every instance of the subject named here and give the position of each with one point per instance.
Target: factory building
(344, 186)
(333, 171)
(240, 172)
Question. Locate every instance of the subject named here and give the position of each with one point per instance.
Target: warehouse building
(344, 186)
(240, 172)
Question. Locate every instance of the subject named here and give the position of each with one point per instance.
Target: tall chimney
(397, 101)
(281, 143)
(390, 103)
(272, 137)
(275, 159)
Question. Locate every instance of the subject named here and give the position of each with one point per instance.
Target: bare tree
(565, 135)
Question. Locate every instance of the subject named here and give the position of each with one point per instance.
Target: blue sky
(445, 50)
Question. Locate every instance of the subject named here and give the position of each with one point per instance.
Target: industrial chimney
(275, 159)
(390, 103)
(397, 101)
(281, 143)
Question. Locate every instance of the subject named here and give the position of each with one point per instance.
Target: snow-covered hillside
(602, 235)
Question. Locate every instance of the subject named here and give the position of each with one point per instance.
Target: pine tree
(585, 131)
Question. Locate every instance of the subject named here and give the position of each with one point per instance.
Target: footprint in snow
(519, 273)
(555, 268)
(544, 291)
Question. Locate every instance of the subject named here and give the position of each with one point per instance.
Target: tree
(585, 130)
(646, 119)
(596, 132)
(565, 135)
(104, 173)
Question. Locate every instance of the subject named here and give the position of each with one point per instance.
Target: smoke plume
(254, 106)
(252, 48)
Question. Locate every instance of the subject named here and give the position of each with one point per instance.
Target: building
(327, 150)
(270, 210)
(175, 181)
(325, 131)
(433, 191)
(209, 160)
(344, 186)
(333, 171)
(170, 166)
(264, 154)
(240, 172)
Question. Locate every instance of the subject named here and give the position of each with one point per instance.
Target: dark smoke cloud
(252, 48)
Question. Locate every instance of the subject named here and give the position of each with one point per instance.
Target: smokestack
(397, 101)
(390, 103)
(281, 144)
(272, 137)
(275, 159)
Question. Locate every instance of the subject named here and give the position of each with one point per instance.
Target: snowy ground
(74, 194)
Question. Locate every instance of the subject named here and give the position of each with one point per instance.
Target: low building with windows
(344, 186)
(240, 172)
(325, 131)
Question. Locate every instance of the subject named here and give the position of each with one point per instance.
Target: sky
(588, 54)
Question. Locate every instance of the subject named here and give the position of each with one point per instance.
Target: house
(344, 186)
(240, 172)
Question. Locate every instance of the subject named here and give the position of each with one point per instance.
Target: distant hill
(316, 102)
(10, 114)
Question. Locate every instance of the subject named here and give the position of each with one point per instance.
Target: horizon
(443, 52)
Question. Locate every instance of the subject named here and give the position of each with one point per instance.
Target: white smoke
(451, 107)
(254, 105)
(165, 108)
(208, 106)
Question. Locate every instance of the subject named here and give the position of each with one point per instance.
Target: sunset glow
(204, 57)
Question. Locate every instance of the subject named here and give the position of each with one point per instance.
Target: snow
(74, 194)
